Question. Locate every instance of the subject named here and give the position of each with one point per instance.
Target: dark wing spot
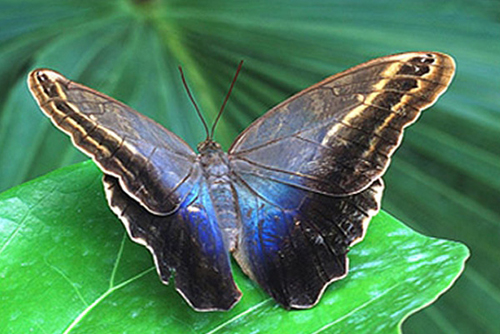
(62, 106)
(388, 99)
(49, 88)
(42, 77)
(402, 84)
(411, 69)
(426, 60)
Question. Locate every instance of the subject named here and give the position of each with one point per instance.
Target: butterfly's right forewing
(153, 165)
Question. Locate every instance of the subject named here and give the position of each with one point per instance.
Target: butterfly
(295, 190)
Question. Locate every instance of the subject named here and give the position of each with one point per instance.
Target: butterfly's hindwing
(187, 244)
(154, 165)
(295, 253)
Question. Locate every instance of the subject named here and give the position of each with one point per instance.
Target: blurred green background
(444, 180)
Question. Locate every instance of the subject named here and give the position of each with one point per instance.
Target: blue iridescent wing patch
(294, 192)
(295, 253)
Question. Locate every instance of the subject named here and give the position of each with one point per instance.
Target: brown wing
(337, 136)
(153, 165)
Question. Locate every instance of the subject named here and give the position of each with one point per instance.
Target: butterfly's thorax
(216, 171)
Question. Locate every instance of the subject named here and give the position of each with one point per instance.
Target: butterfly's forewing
(337, 136)
(154, 166)
(187, 242)
(311, 169)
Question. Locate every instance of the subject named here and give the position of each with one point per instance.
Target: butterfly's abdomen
(216, 171)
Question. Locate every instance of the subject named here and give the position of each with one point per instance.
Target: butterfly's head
(213, 160)
(207, 146)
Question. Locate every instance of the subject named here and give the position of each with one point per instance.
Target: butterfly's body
(295, 190)
(216, 172)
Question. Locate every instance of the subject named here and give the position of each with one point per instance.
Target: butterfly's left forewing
(311, 170)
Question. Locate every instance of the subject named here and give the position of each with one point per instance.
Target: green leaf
(443, 181)
(68, 267)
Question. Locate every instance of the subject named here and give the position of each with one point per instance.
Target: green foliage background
(68, 266)
(444, 181)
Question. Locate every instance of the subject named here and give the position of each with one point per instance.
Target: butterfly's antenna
(194, 103)
(225, 100)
